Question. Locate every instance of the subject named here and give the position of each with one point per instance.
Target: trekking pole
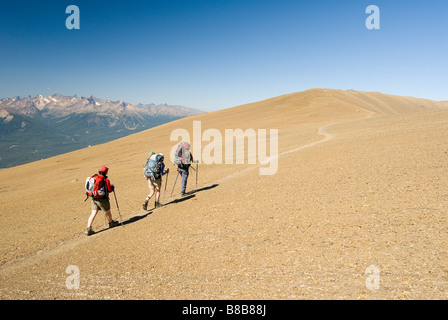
(174, 183)
(197, 163)
(166, 183)
(118, 209)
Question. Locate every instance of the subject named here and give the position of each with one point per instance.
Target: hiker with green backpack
(153, 171)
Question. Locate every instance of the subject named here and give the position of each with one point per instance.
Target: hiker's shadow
(188, 196)
(142, 216)
(128, 221)
(185, 198)
(137, 218)
(203, 189)
(191, 194)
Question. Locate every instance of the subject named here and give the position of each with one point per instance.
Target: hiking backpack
(96, 187)
(182, 155)
(153, 167)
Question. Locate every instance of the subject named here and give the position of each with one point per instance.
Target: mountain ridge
(38, 127)
(32, 105)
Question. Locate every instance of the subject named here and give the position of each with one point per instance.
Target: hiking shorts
(100, 204)
(156, 183)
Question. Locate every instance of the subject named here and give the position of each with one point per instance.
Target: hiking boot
(158, 205)
(89, 231)
(113, 224)
(145, 205)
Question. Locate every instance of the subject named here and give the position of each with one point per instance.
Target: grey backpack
(182, 155)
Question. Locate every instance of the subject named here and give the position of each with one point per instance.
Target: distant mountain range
(38, 127)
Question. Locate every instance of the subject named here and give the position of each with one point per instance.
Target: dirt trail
(322, 131)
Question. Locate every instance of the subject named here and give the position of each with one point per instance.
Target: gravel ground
(362, 184)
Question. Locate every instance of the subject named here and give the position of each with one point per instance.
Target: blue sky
(218, 54)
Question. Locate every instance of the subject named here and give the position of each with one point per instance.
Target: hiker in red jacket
(101, 202)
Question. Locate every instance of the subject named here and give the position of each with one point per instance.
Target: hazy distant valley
(39, 127)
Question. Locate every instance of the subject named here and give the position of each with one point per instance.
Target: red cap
(104, 169)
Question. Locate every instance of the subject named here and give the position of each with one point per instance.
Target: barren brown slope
(361, 181)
